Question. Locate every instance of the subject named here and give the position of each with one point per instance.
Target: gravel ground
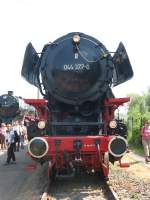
(132, 182)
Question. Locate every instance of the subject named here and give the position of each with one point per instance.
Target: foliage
(138, 113)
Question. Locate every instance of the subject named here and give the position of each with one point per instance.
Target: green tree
(138, 112)
(147, 99)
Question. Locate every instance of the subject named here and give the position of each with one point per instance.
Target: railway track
(85, 186)
(34, 185)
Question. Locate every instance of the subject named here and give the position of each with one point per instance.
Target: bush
(136, 138)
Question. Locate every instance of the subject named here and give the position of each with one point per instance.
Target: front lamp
(41, 124)
(113, 124)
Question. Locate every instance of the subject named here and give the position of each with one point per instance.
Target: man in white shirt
(10, 143)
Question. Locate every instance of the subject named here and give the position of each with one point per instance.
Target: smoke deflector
(123, 70)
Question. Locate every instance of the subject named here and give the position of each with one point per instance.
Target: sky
(42, 21)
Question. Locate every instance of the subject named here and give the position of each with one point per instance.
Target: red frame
(92, 156)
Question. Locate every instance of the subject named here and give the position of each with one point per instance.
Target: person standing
(3, 129)
(23, 133)
(10, 144)
(16, 129)
(145, 133)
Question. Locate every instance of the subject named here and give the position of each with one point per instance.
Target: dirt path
(16, 183)
(137, 166)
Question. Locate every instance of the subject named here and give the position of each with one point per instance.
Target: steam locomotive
(75, 74)
(12, 106)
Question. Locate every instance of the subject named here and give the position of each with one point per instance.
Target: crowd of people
(12, 137)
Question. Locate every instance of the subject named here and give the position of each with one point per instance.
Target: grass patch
(135, 144)
(137, 149)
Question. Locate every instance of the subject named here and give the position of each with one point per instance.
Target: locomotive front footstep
(123, 165)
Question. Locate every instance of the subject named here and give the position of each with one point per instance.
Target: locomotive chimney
(10, 93)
